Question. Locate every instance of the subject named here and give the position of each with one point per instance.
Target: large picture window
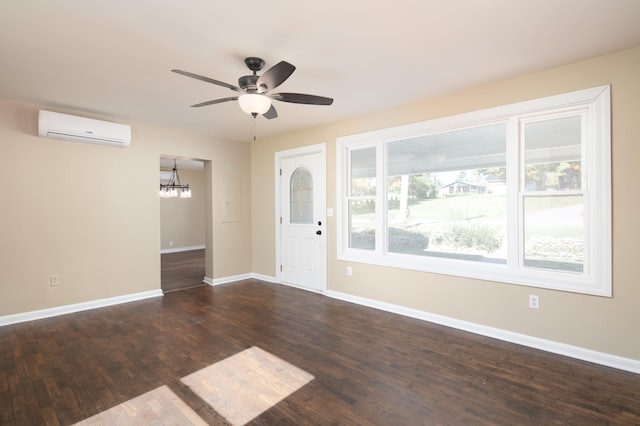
(518, 194)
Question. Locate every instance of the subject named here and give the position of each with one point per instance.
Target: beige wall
(92, 213)
(182, 219)
(101, 230)
(606, 325)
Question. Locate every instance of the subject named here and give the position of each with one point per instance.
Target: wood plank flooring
(162, 360)
(182, 270)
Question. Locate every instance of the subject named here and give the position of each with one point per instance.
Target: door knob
(318, 232)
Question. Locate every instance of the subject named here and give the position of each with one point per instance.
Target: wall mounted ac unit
(81, 129)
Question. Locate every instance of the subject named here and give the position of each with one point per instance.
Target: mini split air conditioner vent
(81, 129)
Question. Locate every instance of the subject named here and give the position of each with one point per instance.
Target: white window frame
(596, 278)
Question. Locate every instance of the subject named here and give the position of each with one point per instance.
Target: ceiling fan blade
(300, 98)
(207, 79)
(271, 113)
(274, 76)
(215, 101)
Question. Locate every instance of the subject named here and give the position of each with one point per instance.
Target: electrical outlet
(534, 301)
(349, 271)
(54, 280)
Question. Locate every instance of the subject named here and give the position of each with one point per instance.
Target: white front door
(302, 194)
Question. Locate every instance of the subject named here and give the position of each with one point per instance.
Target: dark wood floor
(182, 270)
(368, 366)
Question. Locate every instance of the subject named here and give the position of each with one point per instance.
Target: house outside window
(517, 194)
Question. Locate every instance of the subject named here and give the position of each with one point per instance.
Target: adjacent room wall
(607, 325)
(182, 219)
(91, 213)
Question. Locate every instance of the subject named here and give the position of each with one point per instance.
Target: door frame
(319, 148)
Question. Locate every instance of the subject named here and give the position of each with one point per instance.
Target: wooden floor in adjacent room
(257, 353)
(181, 270)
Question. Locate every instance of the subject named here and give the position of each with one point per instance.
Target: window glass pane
(362, 224)
(447, 194)
(362, 206)
(554, 232)
(363, 173)
(552, 154)
(301, 197)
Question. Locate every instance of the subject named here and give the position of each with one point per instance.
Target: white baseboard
(69, 309)
(179, 249)
(266, 278)
(614, 361)
(577, 352)
(234, 278)
(225, 280)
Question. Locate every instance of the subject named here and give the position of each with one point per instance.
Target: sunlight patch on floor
(244, 385)
(238, 388)
(160, 406)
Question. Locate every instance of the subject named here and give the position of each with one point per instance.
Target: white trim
(601, 358)
(101, 303)
(252, 275)
(301, 287)
(266, 278)
(614, 361)
(78, 307)
(225, 280)
(235, 278)
(179, 249)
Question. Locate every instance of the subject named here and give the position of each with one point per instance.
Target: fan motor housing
(248, 82)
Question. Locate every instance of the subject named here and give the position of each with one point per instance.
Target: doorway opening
(182, 227)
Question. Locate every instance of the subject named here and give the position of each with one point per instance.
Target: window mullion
(381, 204)
(515, 174)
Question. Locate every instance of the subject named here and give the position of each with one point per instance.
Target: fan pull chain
(253, 126)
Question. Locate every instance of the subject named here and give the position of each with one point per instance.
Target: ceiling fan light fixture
(253, 103)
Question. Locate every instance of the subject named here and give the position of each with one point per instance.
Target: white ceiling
(167, 163)
(112, 58)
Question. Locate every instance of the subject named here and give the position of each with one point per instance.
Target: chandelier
(170, 189)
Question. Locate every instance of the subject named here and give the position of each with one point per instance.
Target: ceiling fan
(254, 97)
